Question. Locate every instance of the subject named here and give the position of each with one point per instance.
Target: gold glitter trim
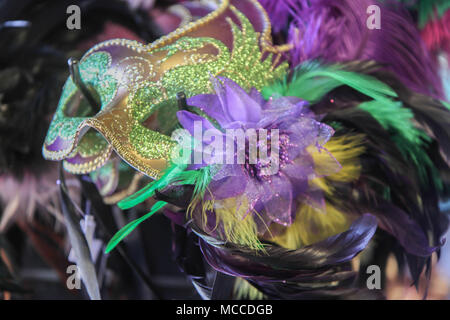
(132, 188)
(192, 26)
(149, 167)
(89, 166)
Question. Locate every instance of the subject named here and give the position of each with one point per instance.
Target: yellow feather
(311, 226)
(235, 224)
(346, 150)
(245, 291)
(233, 221)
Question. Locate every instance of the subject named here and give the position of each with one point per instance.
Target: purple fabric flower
(271, 184)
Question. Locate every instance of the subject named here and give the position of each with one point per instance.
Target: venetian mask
(135, 86)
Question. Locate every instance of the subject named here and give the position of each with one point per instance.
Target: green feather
(122, 233)
(148, 191)
(446, 104)
(311, 81)
(394, 116)
(199, 178)
(173, 175)
(410, 140)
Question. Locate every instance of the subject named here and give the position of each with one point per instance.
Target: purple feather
(278, 11)
(292, 271)
(336, 31)
(407, 231)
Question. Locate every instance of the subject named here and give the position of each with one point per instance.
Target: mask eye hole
(163, 118)
(79, 106)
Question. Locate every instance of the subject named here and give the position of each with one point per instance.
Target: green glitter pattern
(92, 70)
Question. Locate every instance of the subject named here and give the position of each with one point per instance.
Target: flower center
(271, 158)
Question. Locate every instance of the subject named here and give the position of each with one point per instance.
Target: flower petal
(278, 199)
(211, 105)
(229, 182)
(240, 106)
(188, 120)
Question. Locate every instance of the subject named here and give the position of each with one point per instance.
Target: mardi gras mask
(125, 96)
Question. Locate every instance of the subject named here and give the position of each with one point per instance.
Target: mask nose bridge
(142, 148)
